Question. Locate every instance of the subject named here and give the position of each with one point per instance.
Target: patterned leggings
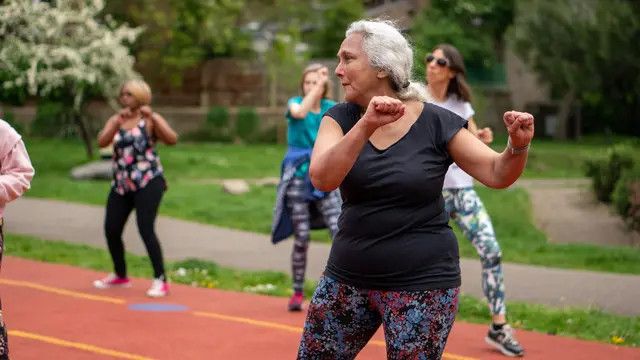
(466, 208)
(300, 216)
(342, 319)
(4, 345)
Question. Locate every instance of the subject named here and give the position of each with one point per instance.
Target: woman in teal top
(304, 114)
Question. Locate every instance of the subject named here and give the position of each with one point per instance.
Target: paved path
(568, 212)
(78, 223)
(53, 312)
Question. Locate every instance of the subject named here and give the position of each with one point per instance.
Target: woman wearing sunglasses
(138, 181)
(448, 88)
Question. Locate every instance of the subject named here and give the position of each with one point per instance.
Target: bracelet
(519, 150)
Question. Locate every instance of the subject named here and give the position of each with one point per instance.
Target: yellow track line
(59, 291)
(77, 345)
(237, 319)
(294, 329)
(242, 320)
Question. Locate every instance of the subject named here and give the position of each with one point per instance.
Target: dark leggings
(342, 319)
(4, 345)
(146, 202)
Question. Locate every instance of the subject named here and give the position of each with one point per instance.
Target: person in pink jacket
(16, 173)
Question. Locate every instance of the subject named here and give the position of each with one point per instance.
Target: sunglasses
(440, 61)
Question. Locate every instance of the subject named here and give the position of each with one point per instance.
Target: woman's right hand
(485, 135)
(382, 110)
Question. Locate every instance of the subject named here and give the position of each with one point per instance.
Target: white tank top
(456, 178)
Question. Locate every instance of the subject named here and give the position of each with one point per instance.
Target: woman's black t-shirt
(393, 231)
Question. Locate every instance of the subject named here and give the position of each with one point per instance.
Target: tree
(182, 33)
(475, 27)
(284, 62)
(279, 25)
(333, 18)
(63, 53)
(584, 50)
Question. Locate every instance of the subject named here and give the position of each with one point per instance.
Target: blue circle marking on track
(158, 307)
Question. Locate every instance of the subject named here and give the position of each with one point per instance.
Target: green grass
(190, 271)
(191, 197)
(522, 242)
(566, 159)
(579, 323)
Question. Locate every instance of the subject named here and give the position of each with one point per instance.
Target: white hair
(388, 50)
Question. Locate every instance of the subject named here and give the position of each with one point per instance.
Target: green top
(302, 133)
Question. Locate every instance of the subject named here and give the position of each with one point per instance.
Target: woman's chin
(349, 96)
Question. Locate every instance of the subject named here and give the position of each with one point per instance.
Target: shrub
(11, 119)
(268, 136)
(218, 118)
(633, 215)
(247, 123)
(626, 196)
(215, 128)
(52, 120)
(606, 172)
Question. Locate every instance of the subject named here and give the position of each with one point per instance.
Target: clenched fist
(382, 110)
(520, 127)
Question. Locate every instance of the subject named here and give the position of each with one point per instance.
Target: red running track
(53, 312)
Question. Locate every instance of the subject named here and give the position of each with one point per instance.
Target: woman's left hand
(520, 127)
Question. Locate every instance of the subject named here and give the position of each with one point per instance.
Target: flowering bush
(63, 51)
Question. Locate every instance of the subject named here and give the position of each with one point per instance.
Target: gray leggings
(329, 206)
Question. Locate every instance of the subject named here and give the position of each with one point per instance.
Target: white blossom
(64, 47)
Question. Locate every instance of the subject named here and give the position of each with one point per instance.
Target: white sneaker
(112, 280)
(159, 288)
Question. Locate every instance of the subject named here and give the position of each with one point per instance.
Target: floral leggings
(4, 346)
(342, 319)
(329, 206)
(466, 209)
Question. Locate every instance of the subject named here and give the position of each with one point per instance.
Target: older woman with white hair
(395, 259)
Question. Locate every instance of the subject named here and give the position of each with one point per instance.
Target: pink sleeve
(16, 173)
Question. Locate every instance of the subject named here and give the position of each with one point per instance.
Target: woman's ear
(381, 74)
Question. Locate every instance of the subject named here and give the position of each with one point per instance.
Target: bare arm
(334, 153)
(162, 130)
(300, 111)
(472, 126)
(484, 134)
(496, 170)
(105, 137)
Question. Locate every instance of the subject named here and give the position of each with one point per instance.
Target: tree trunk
(84, 133)
(273, 89)
(562, 127)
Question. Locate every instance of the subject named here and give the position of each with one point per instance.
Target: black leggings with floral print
(342, 318)
(4, 348)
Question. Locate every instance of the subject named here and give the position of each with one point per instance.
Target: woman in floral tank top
(138, 181)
